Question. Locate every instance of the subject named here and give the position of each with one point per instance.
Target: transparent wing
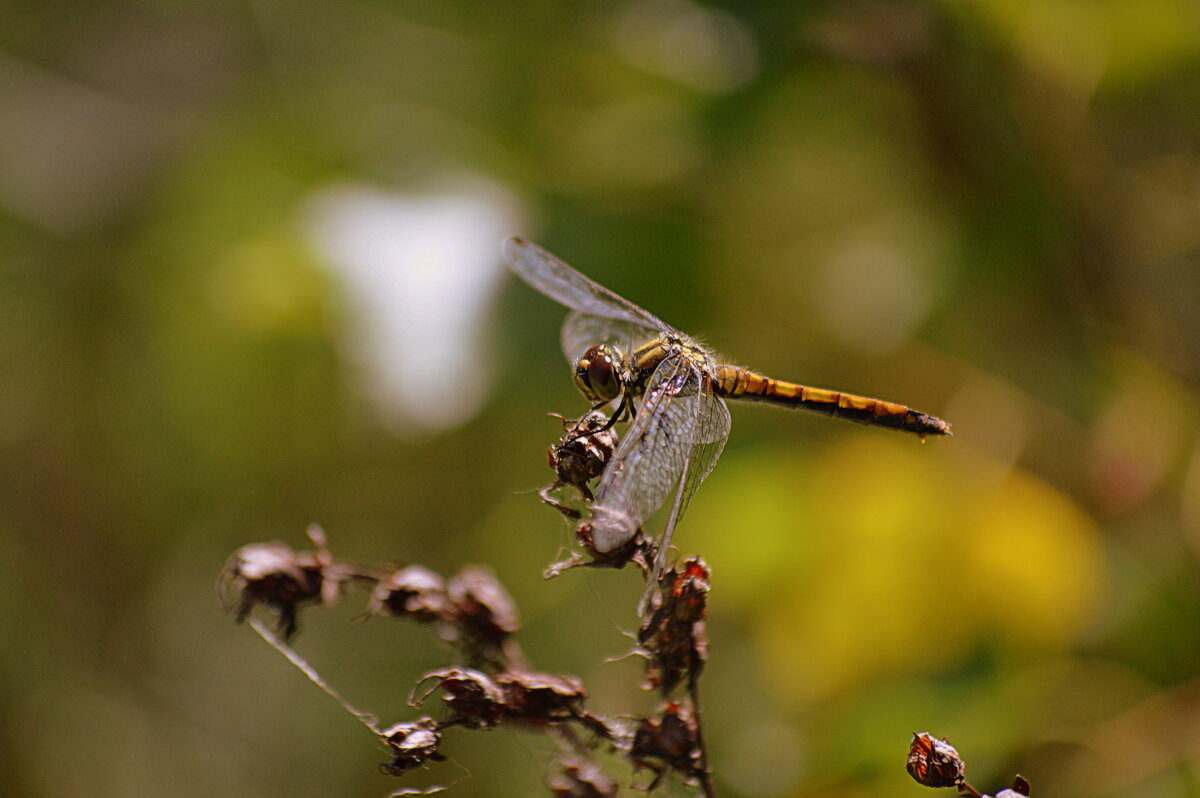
(581, 331)
(679, 427)
(712, 430)
(565, 285)
(651, 456)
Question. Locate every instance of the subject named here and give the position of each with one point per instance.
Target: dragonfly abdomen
(735, 382)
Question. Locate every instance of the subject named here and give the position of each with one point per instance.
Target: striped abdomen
(735, 382)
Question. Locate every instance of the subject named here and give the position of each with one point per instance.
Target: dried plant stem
(706, 779)
(368, 719)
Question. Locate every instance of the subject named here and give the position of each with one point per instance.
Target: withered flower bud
(412, 744)
(484, 617)
(583, 450)
(671, 741)
(279, 578)
(934, 762)
(414, 592)
(579, 779)
(1020, 789)
(673, 635)
(541, 697)
(474, 700)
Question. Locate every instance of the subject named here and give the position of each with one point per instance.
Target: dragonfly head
(598, 373)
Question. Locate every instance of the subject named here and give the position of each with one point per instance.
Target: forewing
(652, 454)
(712, 430)
(567, 286)
(581, 331)
(710, 433)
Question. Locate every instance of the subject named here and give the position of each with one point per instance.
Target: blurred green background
(249, 255)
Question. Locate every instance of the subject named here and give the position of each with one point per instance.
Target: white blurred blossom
(418, 272)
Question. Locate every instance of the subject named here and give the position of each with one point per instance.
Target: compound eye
(597, 375)
(600, 375)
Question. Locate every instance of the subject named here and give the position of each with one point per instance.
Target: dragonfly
(672, 391)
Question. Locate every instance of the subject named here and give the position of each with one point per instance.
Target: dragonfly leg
(547, 497)
(626, 406)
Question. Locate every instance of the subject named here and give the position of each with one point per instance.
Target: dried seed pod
(1020, 788)
(414, 592)
(673, 635)
(586, 446)
(474, 700)
(538, 698)
(413, 744)
(933, 762)
(669, 742)
(279, 578)
(483, 601)
(580, 779)
(485, 616)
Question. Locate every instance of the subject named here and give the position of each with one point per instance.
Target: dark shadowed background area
(250, 280)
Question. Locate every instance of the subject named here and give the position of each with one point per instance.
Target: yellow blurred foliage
(1035, 562)
(878, 557)
(1130, 40)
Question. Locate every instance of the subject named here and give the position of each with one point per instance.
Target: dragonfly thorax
(598, 374)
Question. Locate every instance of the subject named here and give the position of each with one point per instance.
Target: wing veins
(567, 286)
